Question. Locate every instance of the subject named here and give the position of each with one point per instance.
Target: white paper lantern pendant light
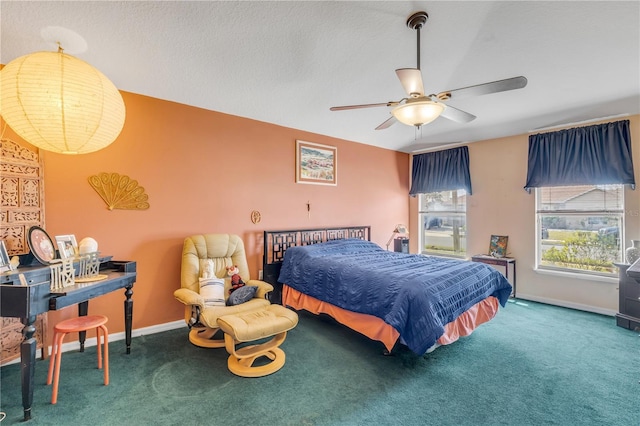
(60, 103)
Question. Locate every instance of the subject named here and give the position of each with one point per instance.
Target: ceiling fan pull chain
(417, 136)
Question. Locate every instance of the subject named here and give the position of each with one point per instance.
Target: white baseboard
(158, 328)
(145, 331)
(565, 304)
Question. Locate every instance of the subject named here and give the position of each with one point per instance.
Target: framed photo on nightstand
(498, 245)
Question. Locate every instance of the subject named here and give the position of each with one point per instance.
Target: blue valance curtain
(592, 155)
(441, 171)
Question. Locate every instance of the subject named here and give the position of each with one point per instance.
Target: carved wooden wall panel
(21, 194)
(11, 337)
(21, 207)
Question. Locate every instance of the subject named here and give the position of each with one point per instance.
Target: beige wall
(205, 172)
(499, 205)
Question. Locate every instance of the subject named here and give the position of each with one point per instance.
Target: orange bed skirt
(376, 329)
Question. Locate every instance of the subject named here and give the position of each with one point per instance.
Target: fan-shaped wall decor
(119, 191)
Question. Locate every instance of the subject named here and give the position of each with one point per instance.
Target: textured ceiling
(288, 62)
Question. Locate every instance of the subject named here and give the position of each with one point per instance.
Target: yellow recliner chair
(225, 250)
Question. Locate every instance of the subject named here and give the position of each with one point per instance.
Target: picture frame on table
(67, 246)
(316, 164)
(5, 262)
(41, 245)
(498, 245)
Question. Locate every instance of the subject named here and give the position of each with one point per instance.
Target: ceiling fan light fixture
(420, 109)
(418, 113)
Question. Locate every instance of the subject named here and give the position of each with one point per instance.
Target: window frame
(616, 213)
(462, 238)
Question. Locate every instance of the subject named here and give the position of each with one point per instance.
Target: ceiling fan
(419, 109)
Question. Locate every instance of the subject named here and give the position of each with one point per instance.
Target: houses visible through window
(579, 228)
(443, 221)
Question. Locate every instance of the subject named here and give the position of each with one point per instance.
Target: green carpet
(533, 364)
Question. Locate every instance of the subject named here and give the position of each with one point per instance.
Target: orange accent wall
(205, 172)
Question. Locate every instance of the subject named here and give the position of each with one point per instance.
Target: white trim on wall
(565, 304)
(159, 328)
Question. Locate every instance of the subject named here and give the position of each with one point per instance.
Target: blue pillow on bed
(241, 295)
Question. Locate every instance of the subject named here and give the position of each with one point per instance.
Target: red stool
(75, 325)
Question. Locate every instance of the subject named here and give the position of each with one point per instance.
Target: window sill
(453, 256)
(577, 275)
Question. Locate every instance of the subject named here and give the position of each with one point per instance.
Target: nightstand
(504, 262)
(628, 315)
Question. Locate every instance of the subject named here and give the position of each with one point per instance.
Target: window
(579, 228)
(443, 221)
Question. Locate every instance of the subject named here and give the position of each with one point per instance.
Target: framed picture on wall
(498, 245)
(316, 164)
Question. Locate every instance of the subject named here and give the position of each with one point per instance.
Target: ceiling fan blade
(411, 80)
(457, 115)
(387, 123)
(342, 108)
(484, 89)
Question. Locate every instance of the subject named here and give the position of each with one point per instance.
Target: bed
(419, 301)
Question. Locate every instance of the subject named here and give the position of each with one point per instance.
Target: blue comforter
(417, 295)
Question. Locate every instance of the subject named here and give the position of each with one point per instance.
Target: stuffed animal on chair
(236, 280)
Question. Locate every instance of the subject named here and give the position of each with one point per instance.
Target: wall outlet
(260, 274)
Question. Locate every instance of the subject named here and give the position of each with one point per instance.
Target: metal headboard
(276, 244)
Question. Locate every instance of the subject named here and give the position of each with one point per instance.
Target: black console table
(628, 315)
(26, 301)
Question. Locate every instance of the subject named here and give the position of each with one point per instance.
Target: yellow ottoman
(274, 320)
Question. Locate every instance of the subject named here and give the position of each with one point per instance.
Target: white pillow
(212, 289)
